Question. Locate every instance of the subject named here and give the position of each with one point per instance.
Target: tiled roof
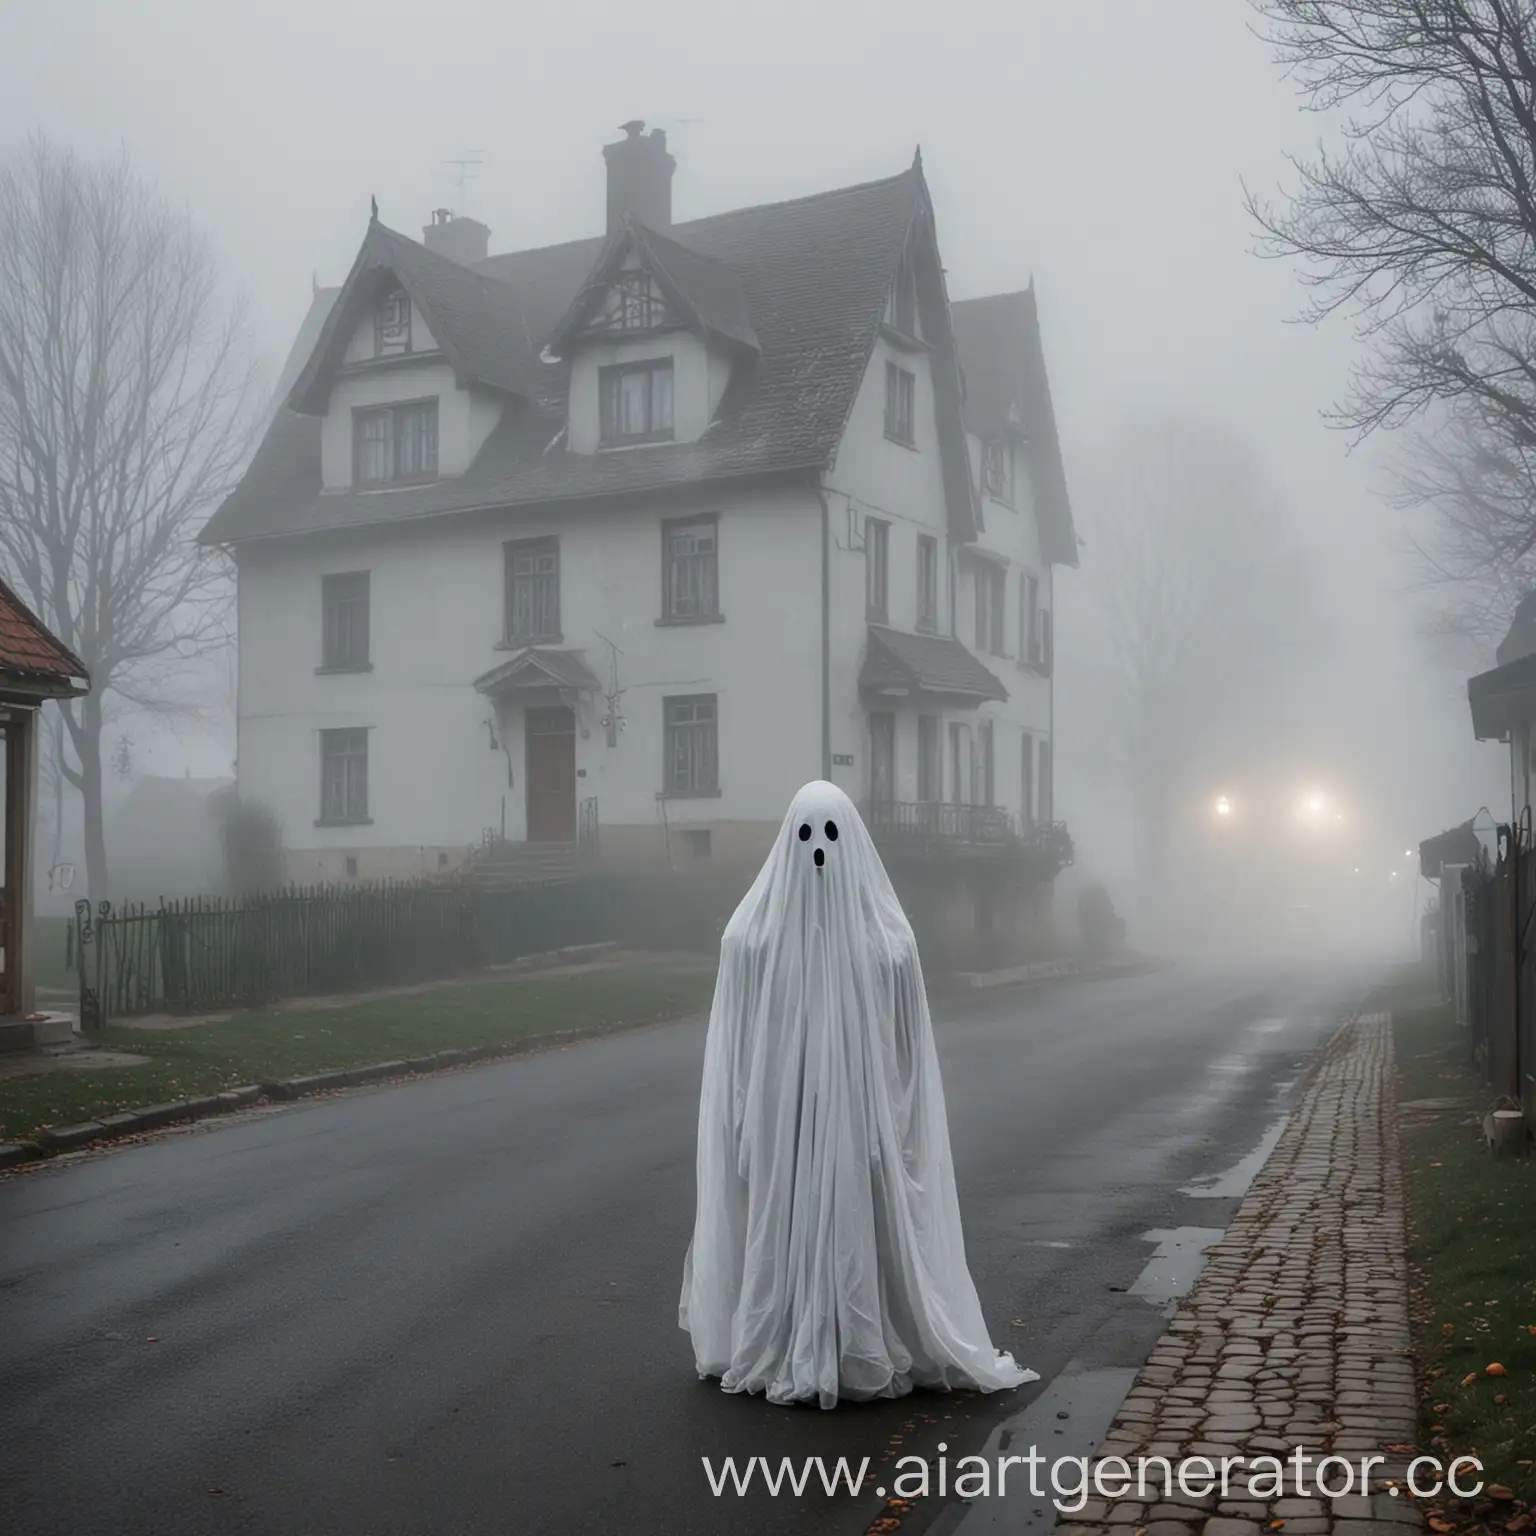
(813, 273)
(1006, 388)
(540, 669)
(703, 291)
(937, 664)
(31, 656)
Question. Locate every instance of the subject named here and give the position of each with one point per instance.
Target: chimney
(465, 241)
(640, 178)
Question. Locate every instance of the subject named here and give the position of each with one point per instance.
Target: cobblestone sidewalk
(1296, 1334)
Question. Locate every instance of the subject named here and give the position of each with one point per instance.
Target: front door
(551, 776)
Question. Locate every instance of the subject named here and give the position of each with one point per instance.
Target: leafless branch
(127, 409)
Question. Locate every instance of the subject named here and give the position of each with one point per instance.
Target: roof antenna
(465, 169)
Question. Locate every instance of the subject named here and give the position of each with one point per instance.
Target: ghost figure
(827, 1258)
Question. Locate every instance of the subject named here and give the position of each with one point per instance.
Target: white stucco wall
(875, 477)
(698, 379)
(436, 619)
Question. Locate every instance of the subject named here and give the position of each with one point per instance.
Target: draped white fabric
(827, 1259)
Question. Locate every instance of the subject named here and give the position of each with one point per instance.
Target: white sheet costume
(827, 1259)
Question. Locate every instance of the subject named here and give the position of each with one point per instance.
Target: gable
(643, 282)
(473, 320)
(632, 304)
(394, 328)
(1007, 393)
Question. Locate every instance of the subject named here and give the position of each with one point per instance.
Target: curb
(55, 1139)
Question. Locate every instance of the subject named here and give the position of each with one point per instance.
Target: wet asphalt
(448, 1308)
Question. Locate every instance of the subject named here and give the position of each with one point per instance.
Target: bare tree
(1422, 227)
(1201, 618)
(127, 408)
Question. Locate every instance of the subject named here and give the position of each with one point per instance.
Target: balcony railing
(935, 826)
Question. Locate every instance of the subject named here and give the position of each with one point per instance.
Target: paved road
(448, 1308)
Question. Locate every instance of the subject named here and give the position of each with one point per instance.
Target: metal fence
(206, 953)
(937, 825)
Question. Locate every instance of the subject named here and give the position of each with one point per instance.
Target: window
(692, 746)
(533, 591)
(697, 840)
(1029, 622)
(344, 622)
(1027, 782)
(927, 582)
(1047, 642)
(877, 570)
(904, 299)
(343, 777)
(690, 570)
(394, 444)
(1047, 784)
(635, 400)
(990, 588)
(392, 325)
(928, 768)
(900, 404)
(957, 762)
(997, 470)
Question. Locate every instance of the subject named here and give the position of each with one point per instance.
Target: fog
(1098, 150)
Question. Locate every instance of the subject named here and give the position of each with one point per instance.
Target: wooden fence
(206, 953)
(1499, 903)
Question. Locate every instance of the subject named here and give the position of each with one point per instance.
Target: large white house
(621, 541)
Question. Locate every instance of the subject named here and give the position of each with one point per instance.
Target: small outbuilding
(35, 666)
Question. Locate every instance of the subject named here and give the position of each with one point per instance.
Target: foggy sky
(1095, 146)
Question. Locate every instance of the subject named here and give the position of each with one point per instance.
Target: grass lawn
(1472, 1246)
(206, 1058)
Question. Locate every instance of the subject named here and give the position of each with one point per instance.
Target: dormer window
(392, 325)
(394, 444)
(635, 400)
(997, 470)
